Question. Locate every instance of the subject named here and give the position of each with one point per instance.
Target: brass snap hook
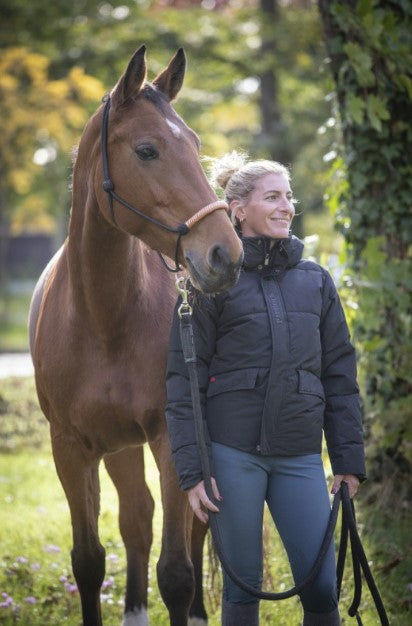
(181, 286)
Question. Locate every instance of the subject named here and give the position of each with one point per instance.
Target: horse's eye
(146, 152)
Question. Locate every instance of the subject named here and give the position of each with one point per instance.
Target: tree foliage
(228, 55)
(39, 122)
(369, 44)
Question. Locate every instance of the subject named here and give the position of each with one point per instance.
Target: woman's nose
(287, 206)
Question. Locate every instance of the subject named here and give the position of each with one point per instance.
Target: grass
(35, 539)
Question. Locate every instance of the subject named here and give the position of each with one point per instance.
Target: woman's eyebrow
(277, 191)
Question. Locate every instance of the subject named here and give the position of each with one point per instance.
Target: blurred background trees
(261, 79)
(255, 81)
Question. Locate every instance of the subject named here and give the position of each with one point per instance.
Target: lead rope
(348, 519)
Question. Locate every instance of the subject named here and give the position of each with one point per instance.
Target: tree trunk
(272, 140)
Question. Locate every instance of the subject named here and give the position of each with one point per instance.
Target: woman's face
(269, 210)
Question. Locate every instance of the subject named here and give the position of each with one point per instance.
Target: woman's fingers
(350, 480)
(199, 500)
(216, 490)
(201, 515)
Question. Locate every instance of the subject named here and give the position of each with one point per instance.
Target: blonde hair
(237, 176)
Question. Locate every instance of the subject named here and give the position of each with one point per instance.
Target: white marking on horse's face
(174, 128)
(137, 617)
(196, 621)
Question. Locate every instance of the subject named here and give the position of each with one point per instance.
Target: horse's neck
(108, 271)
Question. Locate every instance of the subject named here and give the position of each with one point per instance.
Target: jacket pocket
(310, 383)
(232, 381)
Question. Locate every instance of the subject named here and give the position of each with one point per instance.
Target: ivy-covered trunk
(370, 55)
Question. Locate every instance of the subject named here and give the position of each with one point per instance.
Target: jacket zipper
(277, 315)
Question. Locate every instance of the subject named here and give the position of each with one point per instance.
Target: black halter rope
(348, 517)
(108, 186)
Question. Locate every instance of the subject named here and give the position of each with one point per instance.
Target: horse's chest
(113, 405)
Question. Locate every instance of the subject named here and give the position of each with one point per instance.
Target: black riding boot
(240, 614)
(321, 619)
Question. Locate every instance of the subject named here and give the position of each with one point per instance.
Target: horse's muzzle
(219, 273)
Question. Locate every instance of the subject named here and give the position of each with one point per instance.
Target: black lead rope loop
(343, 545)
(360, 556)
(348, 517)
(357, 572)
(177, 267)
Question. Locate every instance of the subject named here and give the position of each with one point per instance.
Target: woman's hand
(352, 482)
(198, 497)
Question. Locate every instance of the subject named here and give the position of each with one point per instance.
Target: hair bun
(223, 169)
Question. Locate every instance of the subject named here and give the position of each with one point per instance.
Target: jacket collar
(282, 254)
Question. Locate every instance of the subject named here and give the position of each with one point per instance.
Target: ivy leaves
(375, 108)
(375, 44)
(371, 55)
(361, 62)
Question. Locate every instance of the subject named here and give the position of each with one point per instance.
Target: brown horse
(99, 326)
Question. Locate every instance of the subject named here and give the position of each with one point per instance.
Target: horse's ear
(132, 80)
(170, 81)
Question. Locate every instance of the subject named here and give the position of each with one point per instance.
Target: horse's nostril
(218, 258)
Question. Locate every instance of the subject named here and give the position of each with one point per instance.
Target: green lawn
(35, 539)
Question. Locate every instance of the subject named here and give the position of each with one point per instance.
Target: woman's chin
(279, 233)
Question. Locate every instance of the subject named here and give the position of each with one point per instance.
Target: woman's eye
(146, 152)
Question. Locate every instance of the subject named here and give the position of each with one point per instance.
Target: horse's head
(153, 167)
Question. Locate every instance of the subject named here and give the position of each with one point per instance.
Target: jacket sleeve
(179, 412)
(342, 421)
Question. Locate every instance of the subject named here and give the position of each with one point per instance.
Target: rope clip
(181, 286)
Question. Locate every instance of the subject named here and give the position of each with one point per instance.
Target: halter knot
(183, 229)
(108, 185)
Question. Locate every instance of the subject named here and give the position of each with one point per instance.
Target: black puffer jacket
(275, 366)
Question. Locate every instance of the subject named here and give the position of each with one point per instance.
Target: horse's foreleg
(126, 469)
(174, 569)
(198, 615)
(80, 479)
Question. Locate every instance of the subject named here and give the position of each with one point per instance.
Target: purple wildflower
(70, 588)
(8, 600)
(31, 600)
(108, 583)
(51, 548)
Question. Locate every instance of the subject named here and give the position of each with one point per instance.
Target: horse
(99, 325)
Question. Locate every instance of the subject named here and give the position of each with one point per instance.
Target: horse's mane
(73, 156)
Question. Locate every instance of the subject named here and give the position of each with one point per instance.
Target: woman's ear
(237, 210)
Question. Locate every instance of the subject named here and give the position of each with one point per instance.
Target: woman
(276, 368)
